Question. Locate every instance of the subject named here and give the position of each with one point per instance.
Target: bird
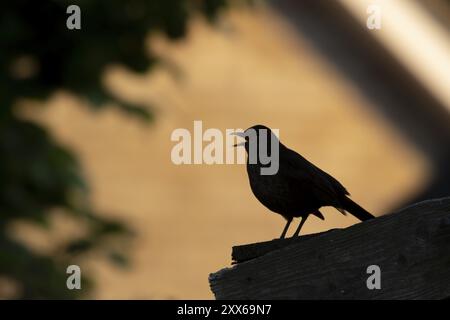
(299, 188)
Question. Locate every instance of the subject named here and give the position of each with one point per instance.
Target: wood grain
(250, 251)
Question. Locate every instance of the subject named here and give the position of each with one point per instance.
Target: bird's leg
(299, 227)
(283, 235)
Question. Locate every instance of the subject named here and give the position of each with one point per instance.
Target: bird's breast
(280, 193)
(270, 190)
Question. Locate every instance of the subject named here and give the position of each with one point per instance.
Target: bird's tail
(355, 209)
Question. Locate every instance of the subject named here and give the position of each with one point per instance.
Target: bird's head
(262, 147)
(259, 139)
(254, 133)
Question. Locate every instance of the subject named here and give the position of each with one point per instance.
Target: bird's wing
(321, 184)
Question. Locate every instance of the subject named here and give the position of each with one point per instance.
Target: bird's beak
(239, 134)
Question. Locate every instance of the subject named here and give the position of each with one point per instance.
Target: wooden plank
(411, 247)
(250, 251)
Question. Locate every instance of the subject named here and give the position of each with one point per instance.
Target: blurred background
(86, 117)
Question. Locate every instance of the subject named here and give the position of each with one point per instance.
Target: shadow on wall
(396, 94)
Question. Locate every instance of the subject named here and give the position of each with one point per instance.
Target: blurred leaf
(37, 174)
(79, 246)
(119, 259)
(138, 111)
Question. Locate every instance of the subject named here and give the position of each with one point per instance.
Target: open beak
(239, 134)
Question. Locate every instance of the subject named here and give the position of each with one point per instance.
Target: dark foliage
(37, 174)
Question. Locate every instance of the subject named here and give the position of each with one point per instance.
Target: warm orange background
(251, 68)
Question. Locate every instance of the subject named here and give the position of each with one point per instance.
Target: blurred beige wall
(249, 69)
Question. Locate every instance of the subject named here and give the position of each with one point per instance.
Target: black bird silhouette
(298, 188)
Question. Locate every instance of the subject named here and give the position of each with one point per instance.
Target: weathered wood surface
(254, 250)
(411, 247)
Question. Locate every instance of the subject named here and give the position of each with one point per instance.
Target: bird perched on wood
(298, 188)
